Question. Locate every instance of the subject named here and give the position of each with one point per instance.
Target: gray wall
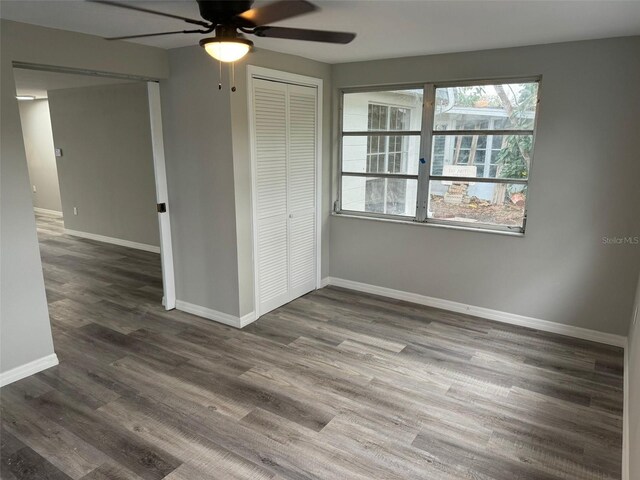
(584, 186)
(41, 160)
(242, 159)
(24, 319)
(634, 388)
(106, 168)
(197, 135)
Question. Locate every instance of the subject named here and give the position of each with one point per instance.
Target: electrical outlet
(58, 152)
(75, 210)
(34, 189)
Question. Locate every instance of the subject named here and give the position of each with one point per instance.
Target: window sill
(427, 224)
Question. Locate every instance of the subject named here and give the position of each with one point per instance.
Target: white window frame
(386, 153)
(367, 133)
(426, 134)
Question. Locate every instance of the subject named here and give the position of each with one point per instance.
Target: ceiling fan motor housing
(227, 31)
(218, 12)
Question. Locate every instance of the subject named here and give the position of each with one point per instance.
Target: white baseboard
(247, 319)
(46, 211)
(114, 241)
(27, 369)
(216, 316)
(625, 419)
(496, 315)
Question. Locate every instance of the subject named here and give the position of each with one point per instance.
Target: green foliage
(469, 97)
(514, 158)
(510, 159)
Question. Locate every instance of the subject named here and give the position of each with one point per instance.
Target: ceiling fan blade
(276, 11)
(157, 34)
(305, 34)
(153, 12)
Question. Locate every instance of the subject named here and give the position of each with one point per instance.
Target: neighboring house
(477, 151)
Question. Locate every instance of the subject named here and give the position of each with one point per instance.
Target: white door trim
(162, 196)
(294, 79)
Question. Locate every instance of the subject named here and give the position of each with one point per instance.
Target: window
(476, 144)
(380, 152)
(386, 155)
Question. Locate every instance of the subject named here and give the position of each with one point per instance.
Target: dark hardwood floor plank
(276, 400)
(73, 382)
(175, 390)
(142, 458)
(28, 465)
(129, 345)
(112, 471)
(8, 443)
(56, 444)
(200, 453)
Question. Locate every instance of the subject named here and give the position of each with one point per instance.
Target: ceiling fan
(227, 18)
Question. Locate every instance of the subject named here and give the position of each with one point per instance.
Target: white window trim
(424, 176)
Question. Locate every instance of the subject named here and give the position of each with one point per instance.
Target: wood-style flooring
(335, 385)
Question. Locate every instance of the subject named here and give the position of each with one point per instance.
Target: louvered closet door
(272, 216)
(302, 189)
(285, 119)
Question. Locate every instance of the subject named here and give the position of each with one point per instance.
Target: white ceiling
(385, 28)
(38, 83)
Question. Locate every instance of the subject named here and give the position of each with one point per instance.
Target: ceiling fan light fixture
(226, 49)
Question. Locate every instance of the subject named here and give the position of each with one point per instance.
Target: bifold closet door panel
(272, 216)
(302, 152)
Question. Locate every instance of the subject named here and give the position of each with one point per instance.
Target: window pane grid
(384, 175)
(481, 132)
(381, 133)
(460, 179)
(480, 156)
(476, 154)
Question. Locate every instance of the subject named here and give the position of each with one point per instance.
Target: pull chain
(233, 76)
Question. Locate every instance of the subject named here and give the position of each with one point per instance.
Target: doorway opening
(95, 158)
